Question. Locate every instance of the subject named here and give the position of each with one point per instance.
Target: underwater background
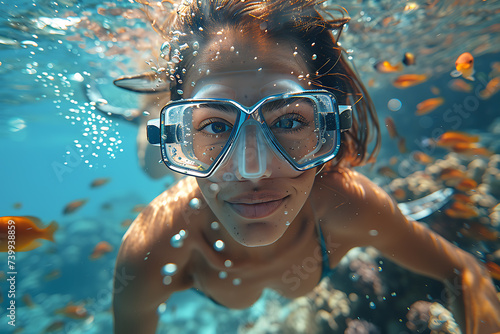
(63, 160)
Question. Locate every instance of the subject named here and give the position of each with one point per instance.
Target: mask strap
(320, 169)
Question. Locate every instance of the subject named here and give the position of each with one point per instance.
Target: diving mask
(197, 136)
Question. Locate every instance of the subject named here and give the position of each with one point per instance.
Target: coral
(361, 327)
(418, 316)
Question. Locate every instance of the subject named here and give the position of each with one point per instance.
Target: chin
(258, 234)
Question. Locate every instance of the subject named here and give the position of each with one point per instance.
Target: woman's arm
(417, 248)
(138, 281)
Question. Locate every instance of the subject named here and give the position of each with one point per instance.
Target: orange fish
(391, 127)
(399, 194)
(463, 198)
(387, 171)
(393, 160)
(100, 249)
(54, 274)
(27, 230)
(402, 145)
(494, 270)
(422, 158)
(470, 149)
(479, 231)
(492, 87)
(74, 205)
(451, 138)
(408, 80)
(464, 66)
(386, 67)
(76, 312)
(99, 182)
(461, 211)
(428, 105)
(466, 185)
(409, 59)
(453, 174)
(460, 85)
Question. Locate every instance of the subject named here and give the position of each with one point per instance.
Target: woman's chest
(238, 283)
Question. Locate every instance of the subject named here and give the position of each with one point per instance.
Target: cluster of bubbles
(177, 240)
(168, 271)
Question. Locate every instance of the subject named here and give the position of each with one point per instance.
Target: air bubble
(219, 245)
(167, 280)
(222, 274)
(373, 233)
(314, 57)
(196, 45)
(176, 241)
(215, 226)
(180, 91)
(237, 281)
(228, 263)
(169, 269)
(161, 308)
(165, 48)
(287, 223)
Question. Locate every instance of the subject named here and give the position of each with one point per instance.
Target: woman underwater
(262, 102)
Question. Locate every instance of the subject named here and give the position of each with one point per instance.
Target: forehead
(246, 66)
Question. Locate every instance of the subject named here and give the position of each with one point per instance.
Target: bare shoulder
(146, 248)
(356, 207)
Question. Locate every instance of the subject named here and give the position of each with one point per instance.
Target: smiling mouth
(256, 210)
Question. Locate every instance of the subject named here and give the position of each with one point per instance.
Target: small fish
(17, 205)
(494, 270)
(386, 67)
(435, 90)
(28, 229)
(393, 160)
(126, 223)
(428, 105)
(408, 80)
(461, 211)
(464, 66)
(54, 327)
(54, 274)
(100, 249)
(74, 205)
(99, 182)
(391, 127)
(470, 149)
(466, 185)
(463, 198)
(409, 59)
(452, 174)
(460, 85)
(479, 231)
(402, 145)
(72, 311)
(387, 171)
(450, 138)
(422, 158)
(492, 87)
(138, 208)
(28, 301)
(399, 194)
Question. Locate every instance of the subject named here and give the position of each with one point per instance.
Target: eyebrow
(278, 104)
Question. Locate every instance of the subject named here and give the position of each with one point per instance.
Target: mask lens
(297, 123)
(205, 129)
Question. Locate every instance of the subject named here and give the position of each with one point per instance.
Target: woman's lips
(256, 210)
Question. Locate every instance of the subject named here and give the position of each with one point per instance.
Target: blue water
(42, 123)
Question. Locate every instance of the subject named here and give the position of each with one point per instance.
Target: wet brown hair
(194, 23)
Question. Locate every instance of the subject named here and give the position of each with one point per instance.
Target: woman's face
(256, 211)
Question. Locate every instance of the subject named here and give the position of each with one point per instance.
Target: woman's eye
(216, 128)
(288, 123)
